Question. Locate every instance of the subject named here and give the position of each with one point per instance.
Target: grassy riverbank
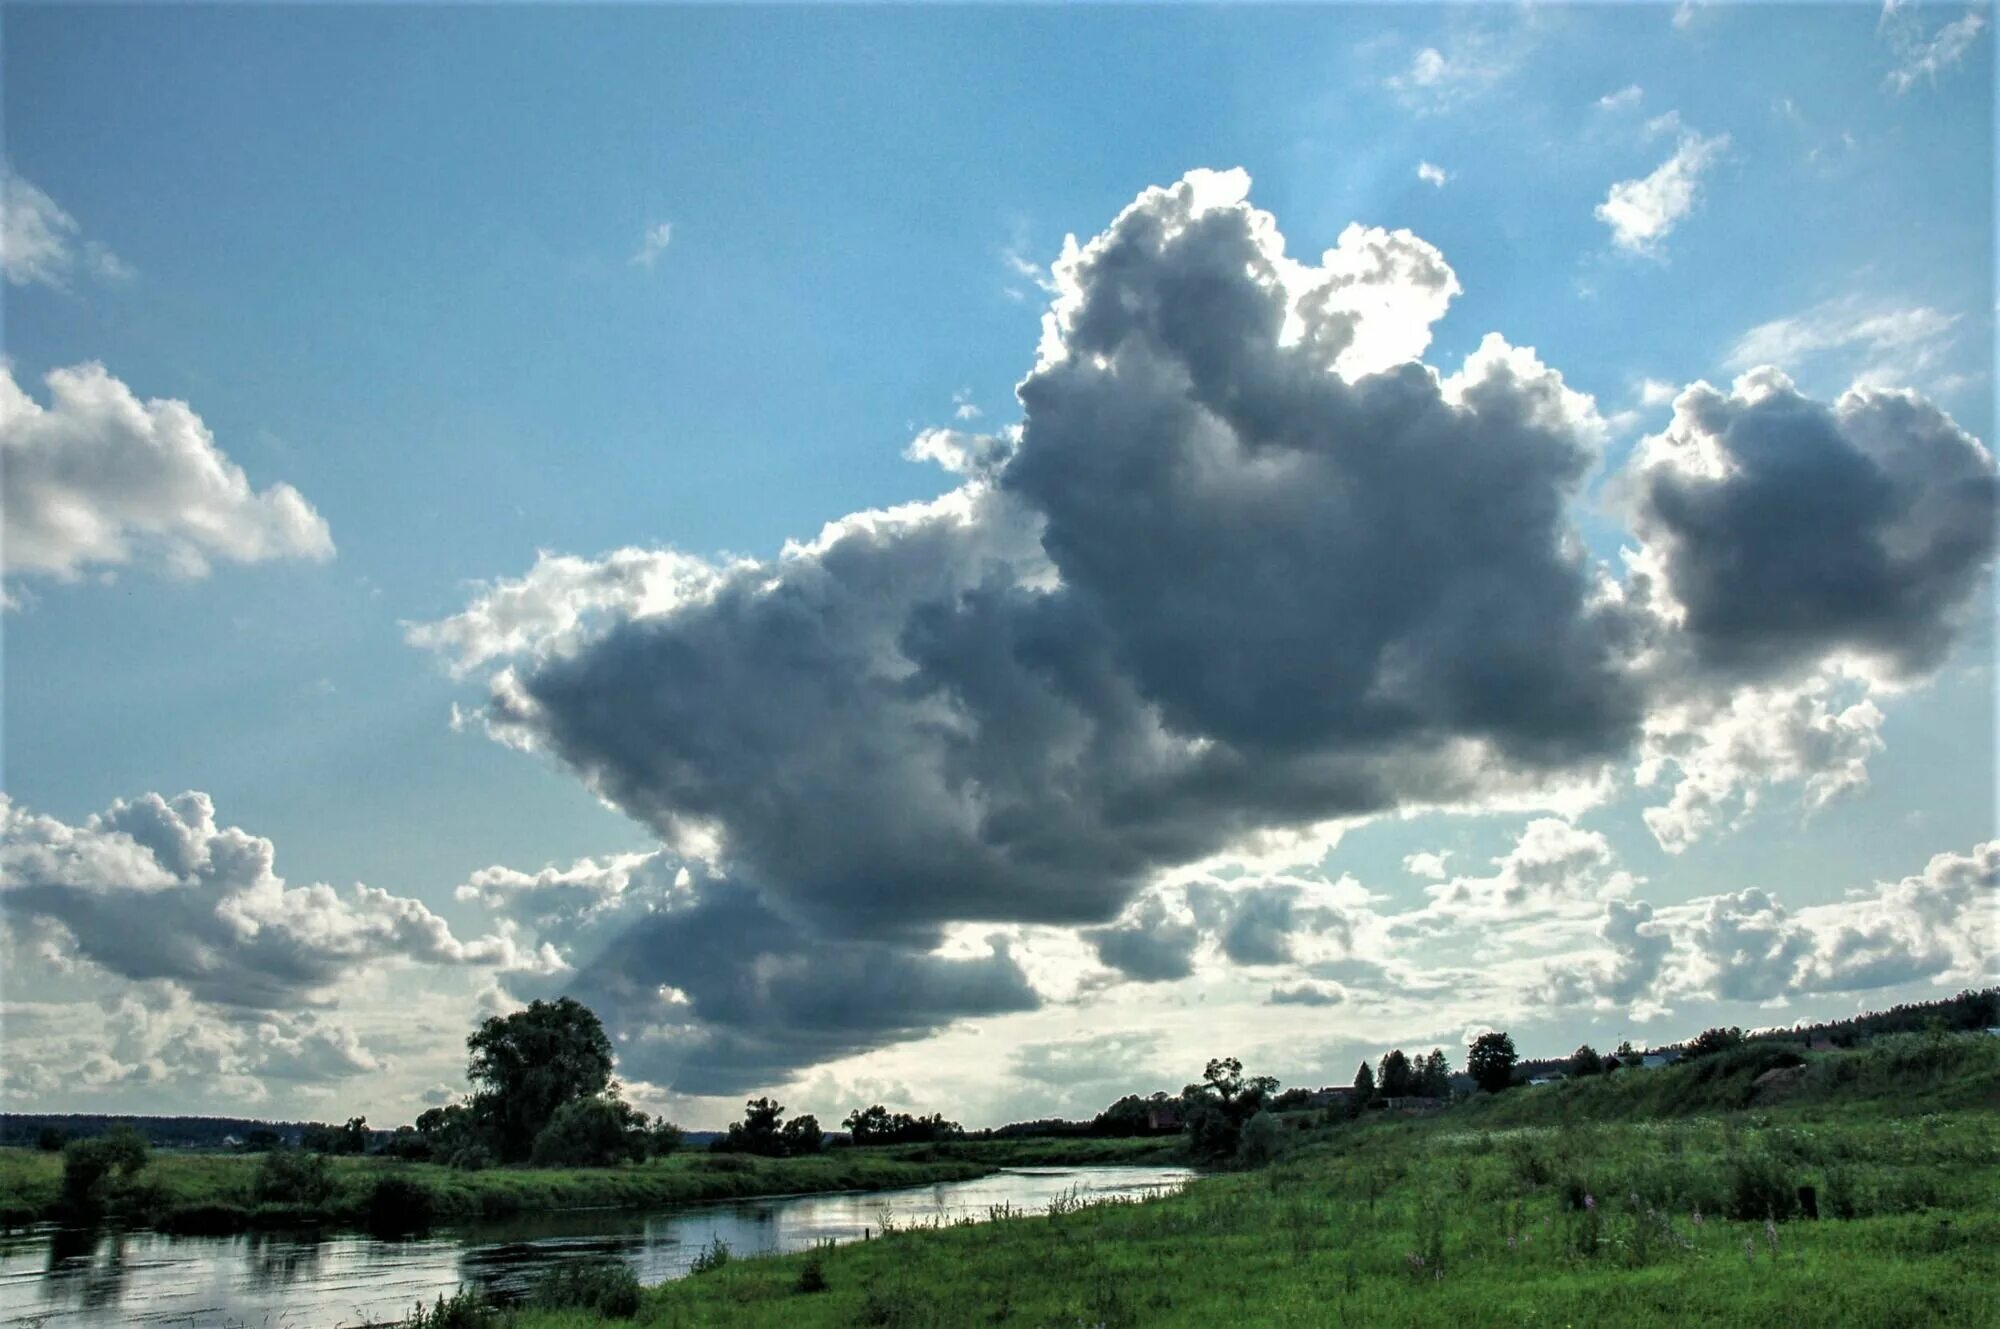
(218, 1192)
(1567, 1205)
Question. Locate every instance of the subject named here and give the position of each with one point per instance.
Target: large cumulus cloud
(1245, 565)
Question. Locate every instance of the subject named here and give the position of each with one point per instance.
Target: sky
(977, 558)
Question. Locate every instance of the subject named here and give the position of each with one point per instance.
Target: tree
(1491, 1061)
(592, 1132)
(663, 1138)
(1585, 1061)
(1625, 1052)
(757, 1133)
(802, 1136)
(1395, 1079)
(1434, 1075)
(1262, 1139)
(1216, 1108)
(1714, 1040)
(89, 1164)
(50, 1140)
(1364, 1089)
(526, 1065)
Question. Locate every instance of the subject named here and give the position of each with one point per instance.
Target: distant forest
(1968, 1010)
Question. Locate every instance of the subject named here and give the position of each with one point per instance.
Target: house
(1412, 1103)
(1330, 1098)
(1548, 1077)
(1163, 1117)
(1821, 1043)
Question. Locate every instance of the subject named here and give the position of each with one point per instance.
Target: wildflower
(1590, 1201)
(1510, 1241)
(1771, 1233)
(1749, 1251)
(1697, 1216)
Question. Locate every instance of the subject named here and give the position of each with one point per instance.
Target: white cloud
(1624, 99)
(1432, 175)
(40, 244)
(962, 407)
(154, 891)
(1643, 212)
(99, 479)
(1655, 392)
(1921, 59)
(658, 236)
(1426, 864)
(1879, 343)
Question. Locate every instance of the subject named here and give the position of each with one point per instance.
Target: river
(95, 1280)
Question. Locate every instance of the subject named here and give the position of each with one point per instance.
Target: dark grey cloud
(712, 991)
(1151, 945)
(1788, 529)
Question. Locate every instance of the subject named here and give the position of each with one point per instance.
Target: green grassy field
(216, 1192)
(1566, 1205)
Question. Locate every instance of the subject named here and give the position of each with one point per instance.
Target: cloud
(1624, 99)
(1787, 531)
(1880, 343)
(154, 891)
(99, 479)
(1922, 59)
(1432, 175)
(133, 1046)
(1438, 80)
(1152, 944)
(658, 236)
(42, 245)
(1643, 212)
(1727, 745)
(962, 407)
(1553, 866)
(1746, 946)
(1426, 864)
(1309, 994)
(1246, 568)
(1653, 392)
(710, 990)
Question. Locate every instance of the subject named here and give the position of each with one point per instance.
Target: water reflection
(89, 1280)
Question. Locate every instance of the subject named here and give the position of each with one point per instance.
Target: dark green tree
(1364, 1090)
(1714, 1040)
(802, 1136)
(663, 1138)
(526, 1065)
(1395, 1079)
(758, 1132)
(1434, 1075)
(1491, 1061)
(1585, 1061)
(601, 1131)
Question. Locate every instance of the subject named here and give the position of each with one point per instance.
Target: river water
(95, 1280)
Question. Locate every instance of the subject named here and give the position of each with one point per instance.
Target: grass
(216, 1193)
(1567, 1205)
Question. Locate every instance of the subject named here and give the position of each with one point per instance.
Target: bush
(711, 1257)
(464, 1309)
(1263, 1139)
(400, 1205)
(90, 1165)
(812, 1274)
(592, 1132)
(1759, 1188)
(293, 1177)
(604, 1286)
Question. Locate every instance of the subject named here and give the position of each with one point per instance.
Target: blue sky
(398, 259)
